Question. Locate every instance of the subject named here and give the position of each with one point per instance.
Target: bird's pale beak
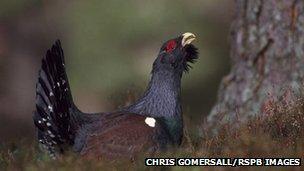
(187, 38)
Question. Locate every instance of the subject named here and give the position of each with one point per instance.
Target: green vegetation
(109, 48)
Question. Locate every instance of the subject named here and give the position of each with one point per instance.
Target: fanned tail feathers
(53, 115)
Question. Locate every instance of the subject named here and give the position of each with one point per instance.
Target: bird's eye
(170, 46)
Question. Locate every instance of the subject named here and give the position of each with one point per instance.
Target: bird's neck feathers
(162, 97)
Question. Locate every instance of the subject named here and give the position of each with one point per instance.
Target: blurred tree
(267, 59)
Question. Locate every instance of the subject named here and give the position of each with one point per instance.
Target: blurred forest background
(109, 48)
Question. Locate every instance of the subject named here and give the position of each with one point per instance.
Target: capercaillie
(151, 123)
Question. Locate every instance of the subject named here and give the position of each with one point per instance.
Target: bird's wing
(122, 135)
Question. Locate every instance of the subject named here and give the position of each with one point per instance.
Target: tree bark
(267, 53)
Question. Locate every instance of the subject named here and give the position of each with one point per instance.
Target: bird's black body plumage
(124, 132)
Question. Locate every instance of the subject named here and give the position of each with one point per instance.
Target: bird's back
(121, 135)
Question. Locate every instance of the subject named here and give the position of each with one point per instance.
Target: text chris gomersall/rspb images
(231, 162)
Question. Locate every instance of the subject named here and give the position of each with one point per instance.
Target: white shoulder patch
(150, 121)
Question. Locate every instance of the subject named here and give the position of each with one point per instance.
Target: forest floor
(280, 134)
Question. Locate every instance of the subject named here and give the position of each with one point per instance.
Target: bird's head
(176, 54)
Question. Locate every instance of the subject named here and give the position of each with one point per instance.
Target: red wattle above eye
(170, 46)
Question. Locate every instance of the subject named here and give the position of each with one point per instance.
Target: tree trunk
(267, 53)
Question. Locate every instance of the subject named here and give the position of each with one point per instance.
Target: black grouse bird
(152, 123)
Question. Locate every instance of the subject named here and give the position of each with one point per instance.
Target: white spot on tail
(50, 108)
(150, 121)
(51, 134)
(51, 94)
(48, 124)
